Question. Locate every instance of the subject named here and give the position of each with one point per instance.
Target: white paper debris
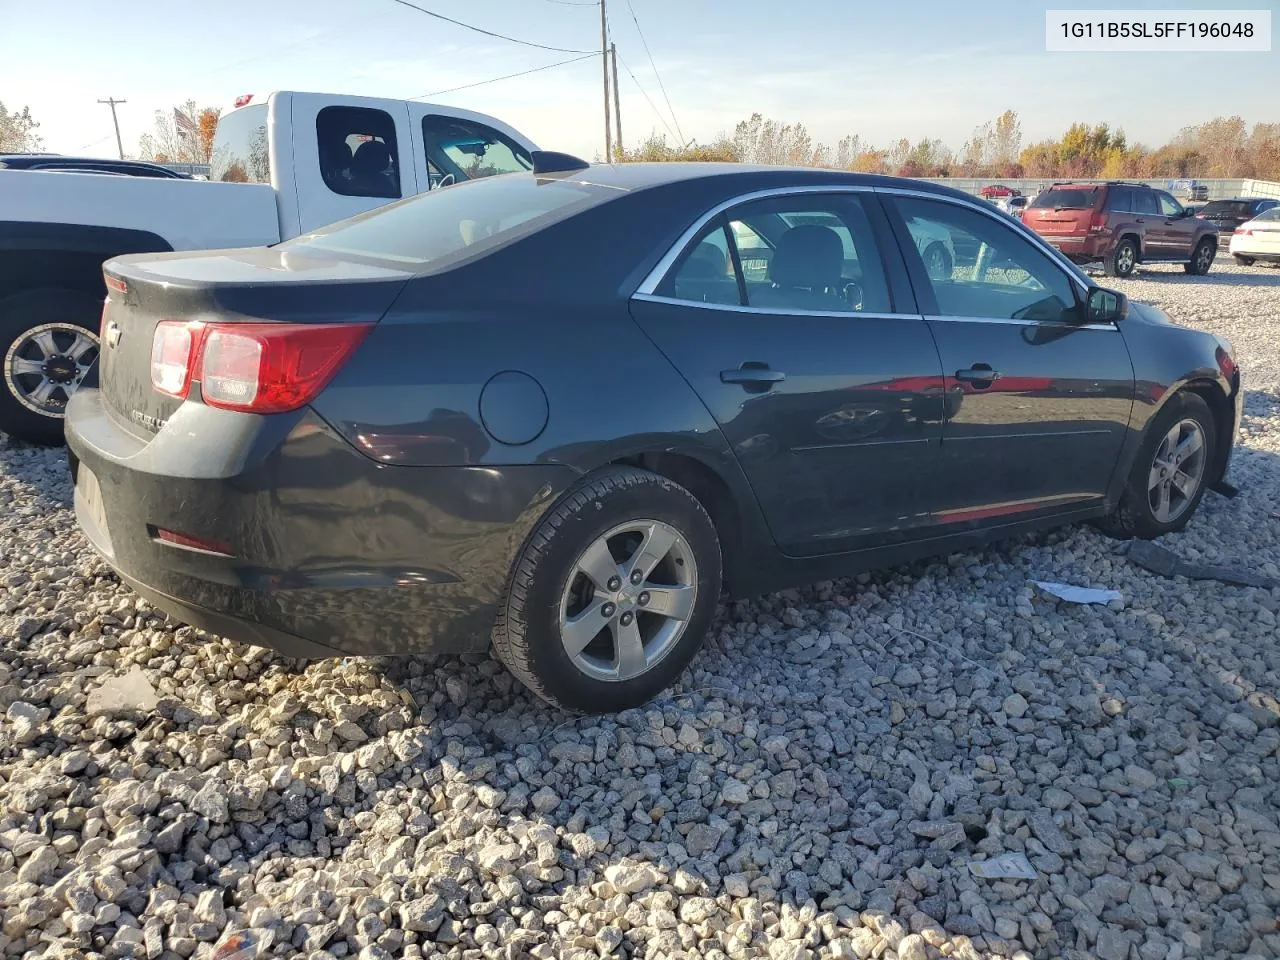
(1007, 866)
(131, 693)
(1064, 591)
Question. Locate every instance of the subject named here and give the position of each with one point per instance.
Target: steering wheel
(447, 180)
(852, 291)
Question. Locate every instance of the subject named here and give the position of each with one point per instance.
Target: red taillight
(258, 367)
(1097, 222)
(1226, 363)
(173, 352)
(272, 367)
(1243, 232)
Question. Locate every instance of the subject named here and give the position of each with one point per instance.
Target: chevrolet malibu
(559, 413)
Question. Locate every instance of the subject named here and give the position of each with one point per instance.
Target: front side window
(810, 253)
(1009, 279)
(240, 153)
(1169, 207)
(358, 153)
(458, 149)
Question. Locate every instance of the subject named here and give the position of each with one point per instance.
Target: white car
(282, 166)
(1258, 239)
(936, 247)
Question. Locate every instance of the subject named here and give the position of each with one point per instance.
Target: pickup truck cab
(281, 167)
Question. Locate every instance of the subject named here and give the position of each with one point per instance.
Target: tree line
(1221, 147)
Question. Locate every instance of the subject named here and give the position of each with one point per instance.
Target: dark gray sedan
(559, 412)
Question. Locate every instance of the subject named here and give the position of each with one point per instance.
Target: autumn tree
(172, 141)
(656, 150)
(18, 131)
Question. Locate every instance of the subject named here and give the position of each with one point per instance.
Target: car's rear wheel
(1170, 472)
(612, 594)
(48, 341)
(1202, 257)
(1244, 261)
(1123, 259)
(937, 261)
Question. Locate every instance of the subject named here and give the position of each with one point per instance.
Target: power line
(509, 76)
(487, 33)
(576, 3)
(645, 94)
(661, 86)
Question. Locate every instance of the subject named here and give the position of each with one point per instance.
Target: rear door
(815, 364)
(350, 154)
(1038, 401)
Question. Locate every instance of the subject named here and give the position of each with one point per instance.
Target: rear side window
(240, 147)
(358, 152)
(1169, 207)
(458, 149)
(1271, 214)
(444, 228)
(1120, 199)
(1068, 198)
(1144, 201)
(1226, 208)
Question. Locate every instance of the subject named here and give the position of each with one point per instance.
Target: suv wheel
(1123, 259)
(1202, 257)
(612, 594)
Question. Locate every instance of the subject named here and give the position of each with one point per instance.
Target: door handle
(1139, 220)
(753, 376)
(978, 373)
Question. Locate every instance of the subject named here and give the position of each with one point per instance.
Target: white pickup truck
(281, 167)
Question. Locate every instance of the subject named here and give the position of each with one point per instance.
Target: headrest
(807, 256)
(371, 157)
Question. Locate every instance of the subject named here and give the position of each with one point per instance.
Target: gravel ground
(815, 786)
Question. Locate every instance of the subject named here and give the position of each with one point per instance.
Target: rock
(130, 693)
(735, 792)
(1015, 705)
(630, 878)
(907, 676)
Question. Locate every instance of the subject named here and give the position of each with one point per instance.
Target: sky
(932, 68)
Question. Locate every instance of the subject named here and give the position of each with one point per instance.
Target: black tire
(1123, 260)
(19, 315)
(942, 264)
(527, 634)
(1134, 515)
(1202, 257)
(1244, 261)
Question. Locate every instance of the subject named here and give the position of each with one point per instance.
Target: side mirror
(1107, 306)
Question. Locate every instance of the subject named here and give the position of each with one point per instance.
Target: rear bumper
(1084, 249)
(330, 552)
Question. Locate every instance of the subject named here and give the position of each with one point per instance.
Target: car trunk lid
(258, 285)
(1062, 210)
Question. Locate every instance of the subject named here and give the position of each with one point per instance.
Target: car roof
(640, 176)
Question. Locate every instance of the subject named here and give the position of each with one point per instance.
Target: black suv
(1226, 215)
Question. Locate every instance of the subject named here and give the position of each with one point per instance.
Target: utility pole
(112, 102)
(617, 104)
(604, 65)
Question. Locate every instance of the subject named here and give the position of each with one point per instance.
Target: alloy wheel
(628, 600)
(47, 364)
(1204, 257)
(1176, 471)
(1125, 259)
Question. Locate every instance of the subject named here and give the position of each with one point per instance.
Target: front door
(1038, 398)
(1177, 230)
(827, 386)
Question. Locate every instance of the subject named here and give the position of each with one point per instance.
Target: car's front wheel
(1123, 259)
(1170, 472)
(48, 342)
(612, 594)
(937, 261)
(1202, 257)
(1243, 260)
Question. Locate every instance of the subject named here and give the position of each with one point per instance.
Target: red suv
(1121, 225)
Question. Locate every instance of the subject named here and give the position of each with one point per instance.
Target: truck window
(240, 147)
(458, 149)
(358, 152)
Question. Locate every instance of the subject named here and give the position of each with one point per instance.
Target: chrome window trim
(654, 278)
(775, 312)
(1018, 322)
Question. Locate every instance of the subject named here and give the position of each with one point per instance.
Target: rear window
(1068, 198)
(1227, 208)
(240, 147)
(446, 227)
